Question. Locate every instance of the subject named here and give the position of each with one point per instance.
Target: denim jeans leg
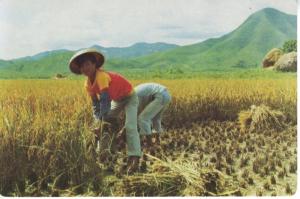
(146, 116)
(132, 135)
(156, 121)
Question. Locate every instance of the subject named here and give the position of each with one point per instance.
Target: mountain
(48, 63)
(243, 47)
(136, 50)
(43, 54)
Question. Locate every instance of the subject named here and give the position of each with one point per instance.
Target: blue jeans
(152, 113)
(130, 105)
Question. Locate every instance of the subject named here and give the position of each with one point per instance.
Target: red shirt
(116, 85)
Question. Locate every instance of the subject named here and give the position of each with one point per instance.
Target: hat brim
(74, 67)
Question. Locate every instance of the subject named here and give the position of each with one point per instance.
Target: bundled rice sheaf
(262, 118)
(177, 178)
(151, 184)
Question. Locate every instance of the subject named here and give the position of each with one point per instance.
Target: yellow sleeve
(103, 79)
(88, 88)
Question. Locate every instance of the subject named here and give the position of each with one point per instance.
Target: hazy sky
(32, 26)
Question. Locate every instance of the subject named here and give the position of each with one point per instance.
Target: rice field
(223, 137)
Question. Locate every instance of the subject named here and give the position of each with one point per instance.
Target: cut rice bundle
(177, 178)
(261, 118)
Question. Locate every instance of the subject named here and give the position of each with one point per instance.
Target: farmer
(105, 87)
(153, 101)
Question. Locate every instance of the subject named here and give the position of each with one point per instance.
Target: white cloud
(32, 26)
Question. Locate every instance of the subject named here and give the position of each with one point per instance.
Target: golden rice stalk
(244, 120)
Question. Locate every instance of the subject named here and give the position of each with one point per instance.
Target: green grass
(150, 74)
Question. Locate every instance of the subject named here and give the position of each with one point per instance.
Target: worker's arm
(96, 107)
(104, 103)
(101, 107)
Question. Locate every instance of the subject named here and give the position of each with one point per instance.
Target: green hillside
(136, 50)
(49, 63)
(244, 47)
(44, 67)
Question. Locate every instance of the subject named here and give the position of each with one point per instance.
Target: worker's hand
(105, 156)
(121, 138)
(96, 126)
(96, 131)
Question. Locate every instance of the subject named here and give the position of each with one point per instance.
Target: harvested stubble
(179, 177)
(261, 118)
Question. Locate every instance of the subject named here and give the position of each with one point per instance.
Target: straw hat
(74, 67)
